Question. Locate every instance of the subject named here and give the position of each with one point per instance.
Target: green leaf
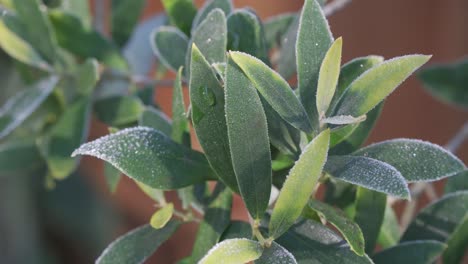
(155, 194)
(125, 15)
(328, 77)
(369, 173)
(112, 175)
(70, 131)
(84, 42)
(23, 104)
(274, 89)
(16, 46)
(87, 76)
(287, 54)
(276, 27)
(339, 134)
(276, 254)
(390, 231)
(245, 33)
(205, 10)
(118, 110)
(299, 185)
(237, 229)
(350, 230)
(19, 156)
(416, 160)
(447, 82)
(312, 242)
(367, 91)
(439, 220)
(313, 40)
(181, 13)
(180, 126)
(170, 45)
(162, 216)
(80, 9)
(137, 245)
(208, 117)
(457, 182)
(344, 120)
(457, 244)
(154, 118)
(37, 26)
(248, 140)
(350, 72)
(150, 157)
(216, 220)
(233, 251)
(420, 252)
(369, 215)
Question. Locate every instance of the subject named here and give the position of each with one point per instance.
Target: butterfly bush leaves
(369, 173)
(369, 89)
(313, 41)
(211, 36)
(421, 252)
(328, 77)
(350, 230)
(276, 254)
(170, 45)
(248, 140)
(416, 160)
(299, 185)
(150, 157)
(274, 89)
(208, 117)
(137, 245)
(23, 104)
(162, 216)
(233, 251)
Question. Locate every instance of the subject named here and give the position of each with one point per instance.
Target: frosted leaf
(344, 120)
(276, 254)
(369, 173)
(233, 251)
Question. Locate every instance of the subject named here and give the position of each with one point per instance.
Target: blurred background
(74, 222)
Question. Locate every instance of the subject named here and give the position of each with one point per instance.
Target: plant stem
(256, 232)
(335, 6)
(458, 139)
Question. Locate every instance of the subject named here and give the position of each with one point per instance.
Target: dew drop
(208, 95)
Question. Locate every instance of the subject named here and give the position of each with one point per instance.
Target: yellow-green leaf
(160, 218)
(233, 251)
(328, 77)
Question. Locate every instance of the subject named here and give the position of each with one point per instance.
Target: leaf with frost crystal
(248, 140)
(162, 216)
(137, 245)
(369, 215)
(170, 46)
(416, 160)
(276, 27)
(181, 13)
(276, 254)
(23, 104)
(211, 36)
(233, 251)
(154, 118)
(367, 91)
(350, 230)
(420, 252)
(299, 185)
(328, 77)
(150, 157)
(350, 72)
(344, 120)
(313, 40)
(180, 125)
(209, 121)
(274, 89)
(224, 5)
(369, 173)
(438, 220)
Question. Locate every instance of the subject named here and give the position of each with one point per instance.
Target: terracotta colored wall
(388, 28)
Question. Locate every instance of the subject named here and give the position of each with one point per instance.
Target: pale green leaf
(369, 173)
(80, 9)
(170, 45)
(416, 160)
(162, 216)
(417, 252)
(210, 5)
(23, 104)
(339, 134)
(87, 76)
(113, 176)
(180, 126)
(118, 110)
(233, 251)
(137, 245)
(287, 53)
(146, 155)
(350, 230)
(181, 13)
(369, 89)
(328, 77)
(209, 121)
(299, 185)
(344, 120)
(248, 140)
(390, 231)
(154, 118)
(276, 254)
(274, 89)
